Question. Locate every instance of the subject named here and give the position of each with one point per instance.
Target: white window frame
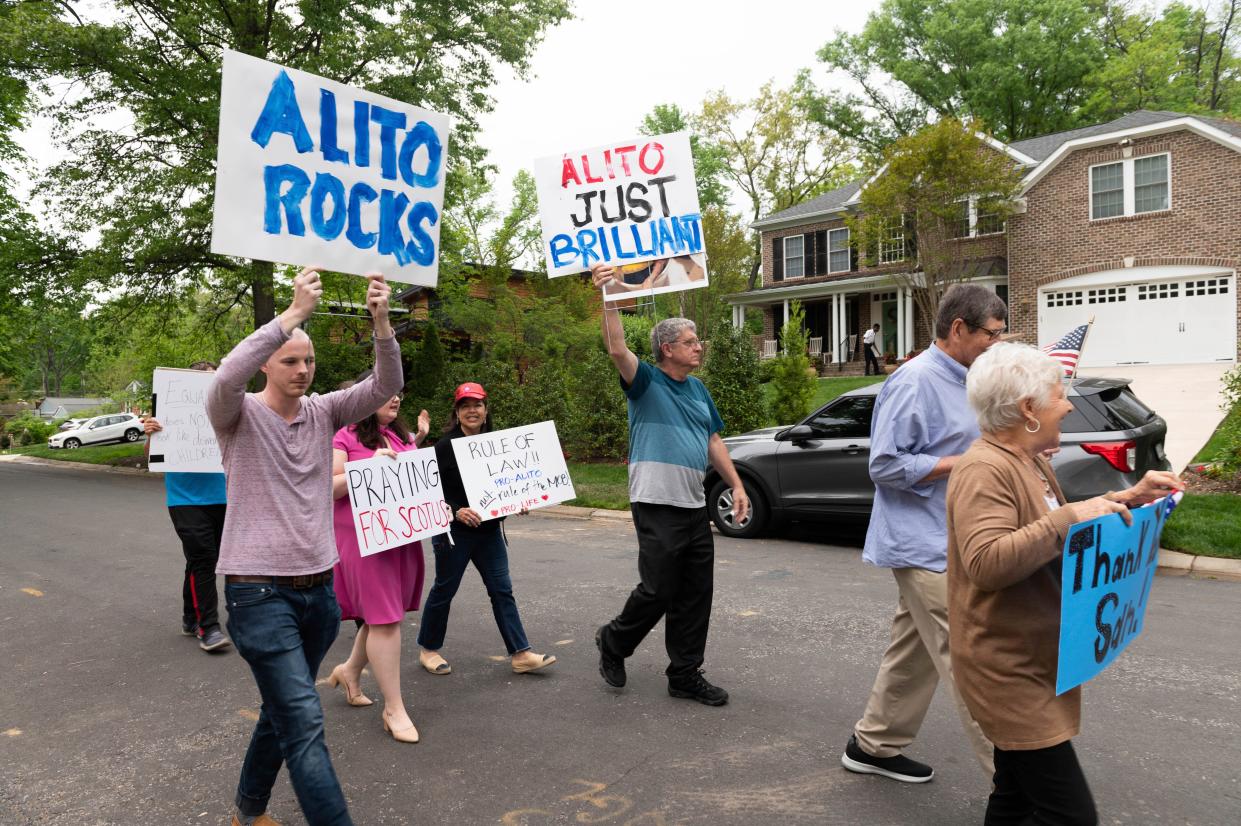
(1128, 187)
(801, 256)
(888, 241)
(972, 216)
(848, 252)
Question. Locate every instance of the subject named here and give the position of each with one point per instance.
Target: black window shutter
(820, 252)
(853, 257)
(808, 257)
(777, 259)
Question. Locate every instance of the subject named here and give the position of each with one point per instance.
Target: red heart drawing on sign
(545, 497)
(495, 513)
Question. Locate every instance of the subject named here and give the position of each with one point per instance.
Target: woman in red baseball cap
(473, 540)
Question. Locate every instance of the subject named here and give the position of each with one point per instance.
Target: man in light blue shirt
(921, 426)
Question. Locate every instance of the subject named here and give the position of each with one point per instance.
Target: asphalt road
(109, 716)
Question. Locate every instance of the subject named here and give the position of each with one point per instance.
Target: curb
(1171, 563)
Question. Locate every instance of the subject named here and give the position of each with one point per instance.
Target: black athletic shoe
(611, 667)
(898, 768)
(189, 629)
(697, 688)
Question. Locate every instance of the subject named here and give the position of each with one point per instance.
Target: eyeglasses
(400, 397)
(992, 335)
(691, 343)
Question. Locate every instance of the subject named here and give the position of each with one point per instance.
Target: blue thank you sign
(1106, 575)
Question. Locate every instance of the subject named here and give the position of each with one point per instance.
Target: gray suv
(818, 468)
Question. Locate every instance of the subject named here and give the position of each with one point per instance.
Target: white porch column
(901, 349)
(835, 327)
(909, 320)
(786, 321)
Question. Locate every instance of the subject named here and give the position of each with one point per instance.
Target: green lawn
(1216, 443)
(600, 485)
(1207, 524)
(122, 454)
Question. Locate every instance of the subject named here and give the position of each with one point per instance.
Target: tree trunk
(262, 291)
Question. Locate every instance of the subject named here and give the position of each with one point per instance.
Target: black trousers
(676, 564)
(869, 352)
(200, 528)
(1042, 787)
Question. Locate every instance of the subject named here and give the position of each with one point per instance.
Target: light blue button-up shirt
(921, 416)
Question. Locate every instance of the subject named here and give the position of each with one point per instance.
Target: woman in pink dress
(375, 590)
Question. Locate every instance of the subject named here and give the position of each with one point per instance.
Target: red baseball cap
(469, 390)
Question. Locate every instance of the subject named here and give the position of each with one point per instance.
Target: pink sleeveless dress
(377, 589)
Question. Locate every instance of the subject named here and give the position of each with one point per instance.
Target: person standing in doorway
(870, 349)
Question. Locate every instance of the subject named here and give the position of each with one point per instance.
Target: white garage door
(1169, 320)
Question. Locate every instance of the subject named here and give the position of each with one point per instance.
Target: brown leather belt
(299, 582)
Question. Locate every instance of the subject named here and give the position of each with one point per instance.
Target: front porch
(837, 315)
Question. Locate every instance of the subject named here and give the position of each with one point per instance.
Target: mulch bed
(1197, 482)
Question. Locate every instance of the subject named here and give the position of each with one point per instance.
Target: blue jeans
(489, 554)
(283, 633)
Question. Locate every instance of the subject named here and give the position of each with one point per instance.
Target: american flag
(1068, 349)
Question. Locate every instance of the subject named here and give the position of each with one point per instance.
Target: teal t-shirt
(670, 423)
(194, 489)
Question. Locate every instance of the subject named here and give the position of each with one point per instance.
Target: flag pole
(1082, 349)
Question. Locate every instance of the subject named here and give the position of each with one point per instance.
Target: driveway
(1186, 395)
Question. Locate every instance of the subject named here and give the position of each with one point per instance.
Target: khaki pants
(916, 660)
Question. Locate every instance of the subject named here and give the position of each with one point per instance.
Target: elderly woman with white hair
(1007, 522)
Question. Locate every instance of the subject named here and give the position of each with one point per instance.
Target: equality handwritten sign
(187, 442)
(1106, 575)
(633, 204)
(506, 470)
(311, 171)
(396, 501)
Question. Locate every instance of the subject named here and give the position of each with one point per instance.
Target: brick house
(1129, 221)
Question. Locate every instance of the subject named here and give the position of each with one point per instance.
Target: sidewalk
(1171, 563)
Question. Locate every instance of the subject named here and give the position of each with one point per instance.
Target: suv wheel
(720, 505)
(132, 435)
(72, 444)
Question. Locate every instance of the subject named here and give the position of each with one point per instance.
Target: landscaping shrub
(793, 381)
(731, 374)
(1228, 460)
(28, 429)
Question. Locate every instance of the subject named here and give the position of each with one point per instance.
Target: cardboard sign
(1106, 575)
(187, 442)
(311, 171)
(396, 501)
(506, 470)
(632, 204)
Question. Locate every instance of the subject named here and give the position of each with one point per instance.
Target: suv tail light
(1121, 455)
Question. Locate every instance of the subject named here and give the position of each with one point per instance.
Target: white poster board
(310, 171)
(187, 442)
(396, 501)
(633, 204)
(506, 470)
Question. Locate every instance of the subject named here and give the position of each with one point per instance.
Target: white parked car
(114, 427)
(70, 424)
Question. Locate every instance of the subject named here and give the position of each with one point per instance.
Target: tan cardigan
(1004, 551)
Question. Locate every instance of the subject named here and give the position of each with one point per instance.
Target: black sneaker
(611, 667)
(213, 639)
(189, 628)
(697, 688)
(899, 767)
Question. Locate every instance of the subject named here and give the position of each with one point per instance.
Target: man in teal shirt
(674, 432)
(196, 503)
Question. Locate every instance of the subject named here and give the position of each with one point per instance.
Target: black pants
(200, 528)
(1042, 787)
(676, 564)
(869, 351)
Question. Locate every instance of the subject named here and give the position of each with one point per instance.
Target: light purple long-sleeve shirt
(279, 518)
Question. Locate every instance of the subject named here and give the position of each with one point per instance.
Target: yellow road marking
(249, 714)
(562, 642)
(13, 732)
(748, 614)
(34, 592)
